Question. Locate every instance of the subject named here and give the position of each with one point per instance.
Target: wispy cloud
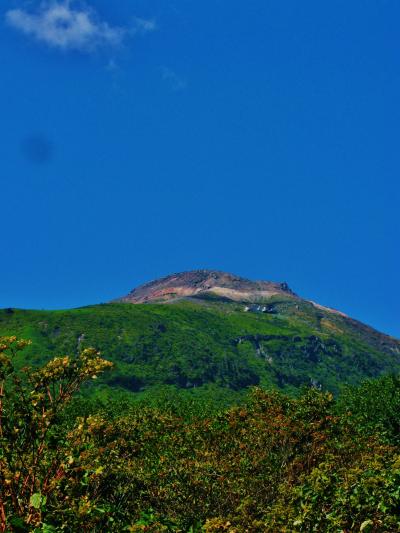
(144, 25)
(175, 82)
(60, 24)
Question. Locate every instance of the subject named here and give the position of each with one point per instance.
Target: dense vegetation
(208, 349)
(274, 463)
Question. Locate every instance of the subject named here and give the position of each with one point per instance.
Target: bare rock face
(206, 283)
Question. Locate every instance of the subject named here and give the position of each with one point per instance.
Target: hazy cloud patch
(171, 78)
(61, 25)
(144, 25)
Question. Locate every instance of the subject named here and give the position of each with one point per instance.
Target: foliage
(273, 463)
(375, 406)
(32, 457)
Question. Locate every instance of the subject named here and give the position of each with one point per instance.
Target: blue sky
(140, 138)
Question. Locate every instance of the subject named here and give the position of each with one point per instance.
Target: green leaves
(18, 524)
(46, 528)
(37, 500)
(366, 526)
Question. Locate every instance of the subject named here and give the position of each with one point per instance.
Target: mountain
(203, 284)
(210, 333)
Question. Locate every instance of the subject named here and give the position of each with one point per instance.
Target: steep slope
(227, 341)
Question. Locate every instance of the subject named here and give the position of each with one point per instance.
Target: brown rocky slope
(203, 283)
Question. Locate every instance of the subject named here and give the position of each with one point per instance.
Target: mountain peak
(198, 283)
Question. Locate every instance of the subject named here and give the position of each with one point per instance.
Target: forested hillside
(209, 346)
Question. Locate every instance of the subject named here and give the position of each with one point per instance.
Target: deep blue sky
(258, 137)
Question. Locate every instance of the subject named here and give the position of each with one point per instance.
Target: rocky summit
(206, 284)
(216, 285)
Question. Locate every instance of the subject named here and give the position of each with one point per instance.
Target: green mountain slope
(208, 342)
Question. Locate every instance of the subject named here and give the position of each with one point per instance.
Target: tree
(32, 458)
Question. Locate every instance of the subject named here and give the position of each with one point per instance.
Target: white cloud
(61, 25)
